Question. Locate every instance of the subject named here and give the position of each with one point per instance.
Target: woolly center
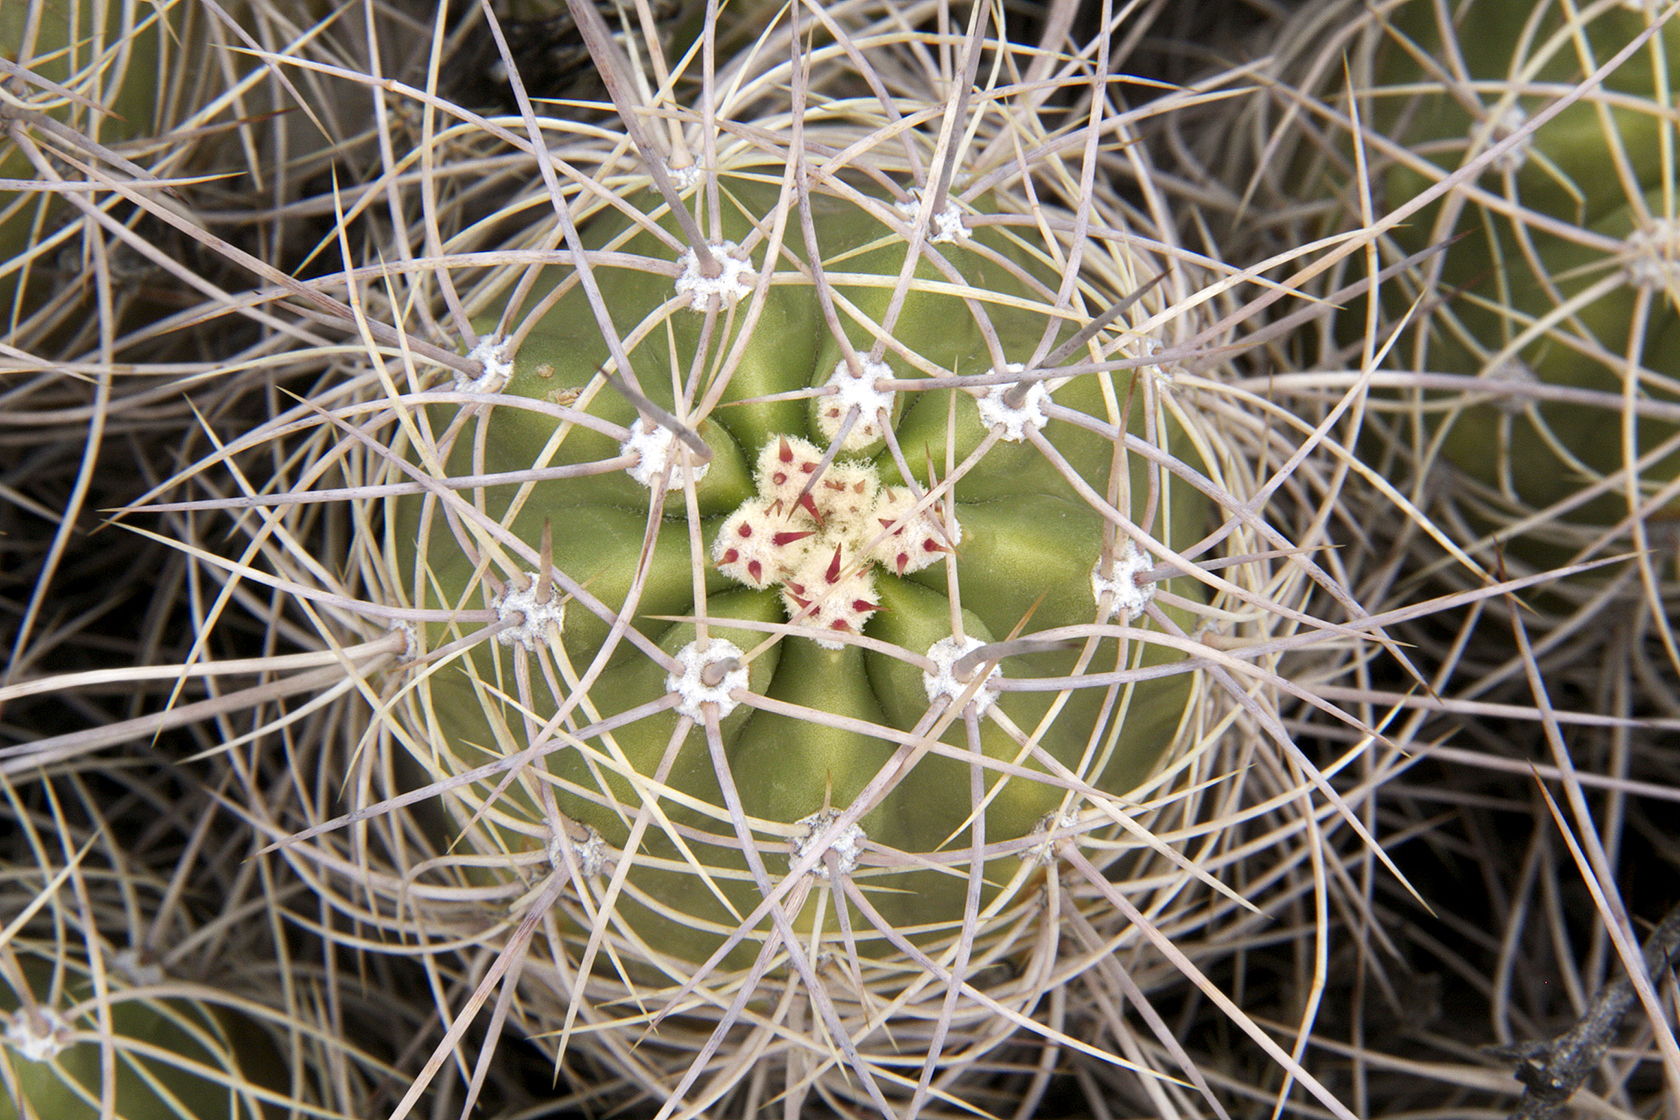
(817, 533)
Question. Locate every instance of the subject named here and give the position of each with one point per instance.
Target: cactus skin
(1028, 544)
(68, 44)
(53, 1064)
(1572, 284)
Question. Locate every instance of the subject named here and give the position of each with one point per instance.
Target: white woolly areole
(534, 618)
(491, 353)
(943, 682)
(860, 393)
(948, 223)
(1512, 372)
(39, 1035)
(689, 682)
(411, 641)
(686, 178)
(1012, 422)
(590, 853)
(1120, 580)
(1506, 125)
(131, 964)
(655, 448)
(847, 846)
(1653, 255)
(1045, 850)
(1155, 370)
(733, 281)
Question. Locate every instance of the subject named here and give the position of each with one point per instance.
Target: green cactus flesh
(63, 40)
(1570, 280)
(1024, 545)
(170, 1057)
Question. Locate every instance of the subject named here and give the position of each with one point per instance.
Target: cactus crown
(816, 535)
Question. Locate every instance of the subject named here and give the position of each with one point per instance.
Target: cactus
(809, 553)
(1547, 311)
(116, 1000)
(170, 1057)
(854, 489)
(1475, 199)
(1007, 769)
(87, 75)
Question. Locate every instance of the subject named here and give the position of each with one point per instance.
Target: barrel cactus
(884, 525)
(168, 1057)
(808, 552)
(116, 1000)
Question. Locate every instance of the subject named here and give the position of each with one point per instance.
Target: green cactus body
(1022, 538)
(173, 1057)
(66, 42)
(1565, 276)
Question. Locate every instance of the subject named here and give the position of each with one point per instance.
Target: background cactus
(1348, 177)
(144, 973)
(73, 69)
(1546, 250)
